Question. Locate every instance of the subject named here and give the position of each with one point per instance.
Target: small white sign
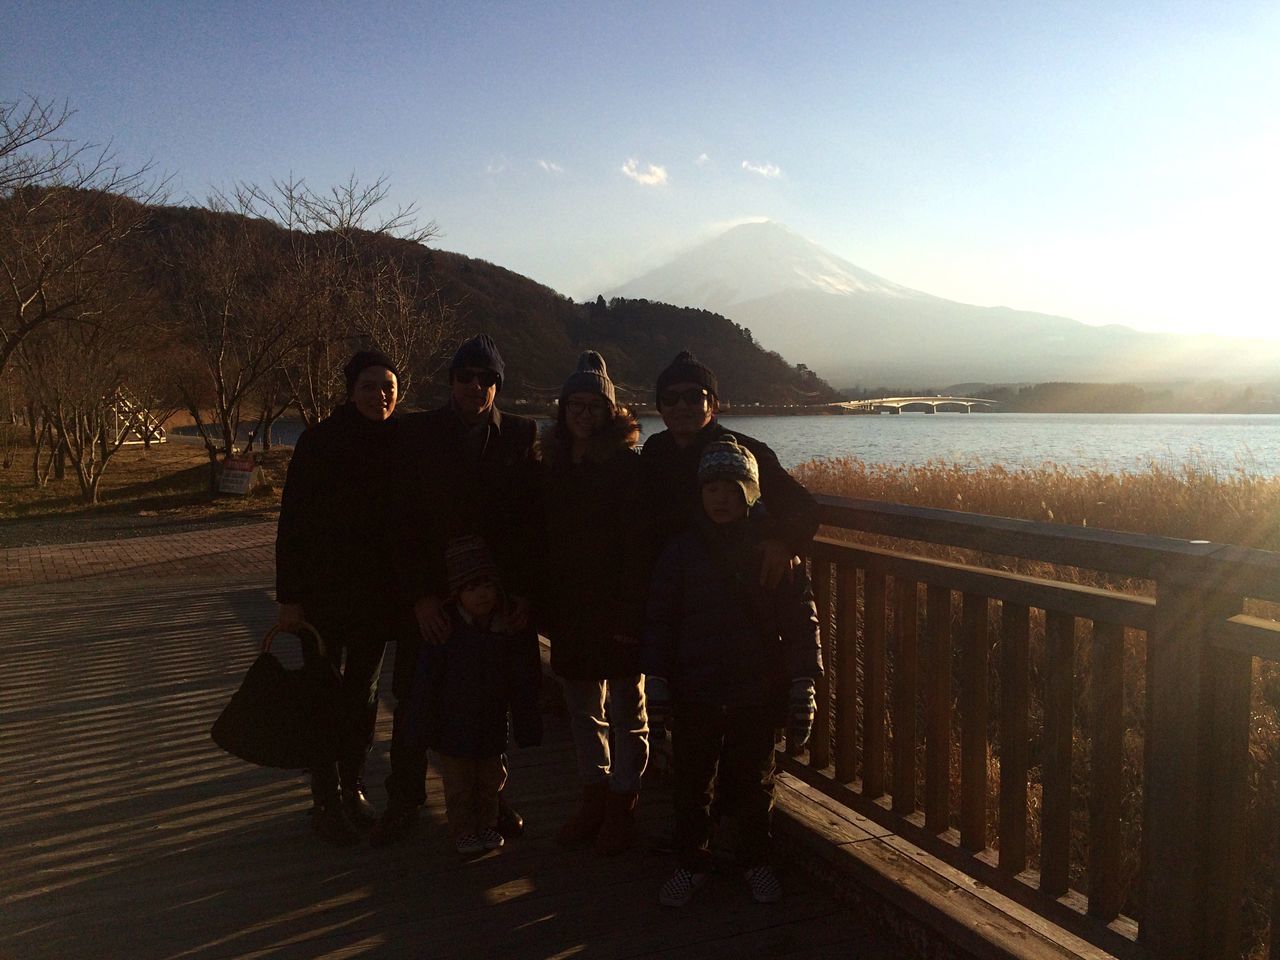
(236, 475)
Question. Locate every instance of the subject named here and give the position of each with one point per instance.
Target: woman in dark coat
(593, 599)
(334, 571)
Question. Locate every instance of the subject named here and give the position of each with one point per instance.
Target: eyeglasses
(693, 396)
(486, 378)
(595, 408)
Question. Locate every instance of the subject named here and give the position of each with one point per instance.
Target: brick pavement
(237, 551)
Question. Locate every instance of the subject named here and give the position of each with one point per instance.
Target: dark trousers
(356, 650)
(407, 781)
(722, 755)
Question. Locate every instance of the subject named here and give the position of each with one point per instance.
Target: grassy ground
(164, 489)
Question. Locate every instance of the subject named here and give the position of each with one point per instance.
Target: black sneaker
(510, 824)
(396, 822)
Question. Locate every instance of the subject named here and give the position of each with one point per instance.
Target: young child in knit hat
(463, 691)
(728, 661)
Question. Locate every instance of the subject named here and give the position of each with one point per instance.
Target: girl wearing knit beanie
(596, 572)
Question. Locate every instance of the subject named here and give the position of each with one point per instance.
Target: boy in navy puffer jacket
(462, 693)
(732, 660)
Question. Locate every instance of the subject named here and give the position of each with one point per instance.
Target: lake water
(1113, 443)
(1223, 443)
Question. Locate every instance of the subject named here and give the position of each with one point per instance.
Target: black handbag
(280, 717)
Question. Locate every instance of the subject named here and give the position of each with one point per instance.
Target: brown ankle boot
(583, 826)
(619, 828)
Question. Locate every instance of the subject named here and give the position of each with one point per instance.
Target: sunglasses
(486, 378)
(693, 396)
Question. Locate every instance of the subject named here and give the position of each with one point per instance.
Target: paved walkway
(220, 550)
(128, 834)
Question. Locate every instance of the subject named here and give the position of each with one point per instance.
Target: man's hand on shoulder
(776, 562)
(518, 615)
(433, 624)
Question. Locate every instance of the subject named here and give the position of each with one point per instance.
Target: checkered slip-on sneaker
(469, 843)
(491, 839)
(679, 888)
(764, 884)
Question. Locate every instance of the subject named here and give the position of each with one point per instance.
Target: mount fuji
(854, 327)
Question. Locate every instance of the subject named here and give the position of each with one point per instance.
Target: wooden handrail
(889, 693)
(1256, 573)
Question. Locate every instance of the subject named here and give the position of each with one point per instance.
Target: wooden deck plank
(128, 834)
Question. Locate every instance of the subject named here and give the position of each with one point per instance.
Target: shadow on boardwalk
(128, 834)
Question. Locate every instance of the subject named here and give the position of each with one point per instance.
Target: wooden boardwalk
(127, 834)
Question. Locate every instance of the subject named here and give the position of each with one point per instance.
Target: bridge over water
(929, 404)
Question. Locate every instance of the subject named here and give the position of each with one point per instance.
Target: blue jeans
(605, 710)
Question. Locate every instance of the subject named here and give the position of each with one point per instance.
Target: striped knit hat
(726, 459)
(466, 560)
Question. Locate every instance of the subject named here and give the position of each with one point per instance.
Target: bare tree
(273, 398)
(230, 336)
(76, 371)
(346, 283)
(63, 204)
(151, 385)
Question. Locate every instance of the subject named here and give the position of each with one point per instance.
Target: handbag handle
(304, 626)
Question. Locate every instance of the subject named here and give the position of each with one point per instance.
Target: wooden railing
(968, 707)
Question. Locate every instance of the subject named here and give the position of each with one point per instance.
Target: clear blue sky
(1115, 162)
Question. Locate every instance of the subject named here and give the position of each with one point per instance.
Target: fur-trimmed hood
(622, 433)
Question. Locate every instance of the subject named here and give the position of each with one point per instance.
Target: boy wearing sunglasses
(471, 470)
(688, 400)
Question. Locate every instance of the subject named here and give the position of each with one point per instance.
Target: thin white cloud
(651, 176)
(702, 160)
(495, 166)
(769, 170)
(550, 167)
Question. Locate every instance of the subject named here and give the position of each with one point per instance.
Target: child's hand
(658, 697)
(803, 708)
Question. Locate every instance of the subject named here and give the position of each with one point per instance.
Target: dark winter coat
(715, 634)
(673, 497)
(464, 688)
(596, 567)
(465, 480)
(334, 541)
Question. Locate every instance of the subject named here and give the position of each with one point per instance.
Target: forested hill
(540, 332)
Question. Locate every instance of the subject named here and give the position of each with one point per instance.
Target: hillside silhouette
(539, 331)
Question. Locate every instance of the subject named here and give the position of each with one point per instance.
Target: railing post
(1178, 832)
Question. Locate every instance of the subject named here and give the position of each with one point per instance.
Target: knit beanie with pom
(591, 377)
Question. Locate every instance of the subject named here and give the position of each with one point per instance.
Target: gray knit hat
(467, 559)
(591, 377)
(726, 459)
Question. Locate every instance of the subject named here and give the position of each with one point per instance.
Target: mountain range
(853, 327)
